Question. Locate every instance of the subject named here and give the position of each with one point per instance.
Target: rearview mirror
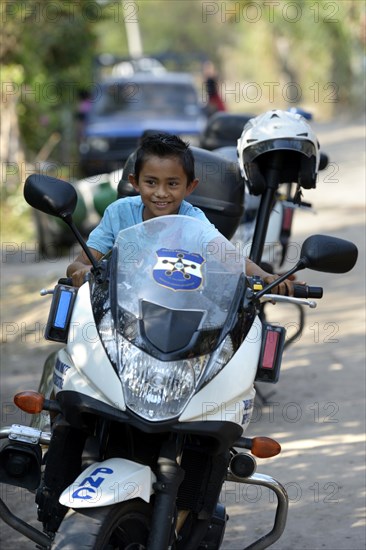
(328, 254)
(320, 253)
(57, 198)
(50, 195)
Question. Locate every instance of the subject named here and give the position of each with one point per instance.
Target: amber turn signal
(29, 401)
(265, 447)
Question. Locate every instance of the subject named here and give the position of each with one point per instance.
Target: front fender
(108, 482)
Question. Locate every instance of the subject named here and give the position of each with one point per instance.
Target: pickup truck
(123, 108)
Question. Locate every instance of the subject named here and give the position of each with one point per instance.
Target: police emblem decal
(178, 269)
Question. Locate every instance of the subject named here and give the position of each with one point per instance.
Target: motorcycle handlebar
(65, 281)
(305, 291)
(300, 291)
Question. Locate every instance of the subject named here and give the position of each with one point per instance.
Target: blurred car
(109, 65)
(142, 64)
(123, 108)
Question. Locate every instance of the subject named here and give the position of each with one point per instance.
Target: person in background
(82, 111)
(214, 99)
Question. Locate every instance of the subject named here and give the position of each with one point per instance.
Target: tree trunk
(12, 156)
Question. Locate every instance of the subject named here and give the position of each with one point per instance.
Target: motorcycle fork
(169, 476)
(63, 465)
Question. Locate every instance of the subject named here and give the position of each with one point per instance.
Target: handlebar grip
(305, 291)
(65, 281)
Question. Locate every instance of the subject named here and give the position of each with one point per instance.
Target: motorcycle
(153, 389)
(224, 135)
(265, 232)
(287, 201)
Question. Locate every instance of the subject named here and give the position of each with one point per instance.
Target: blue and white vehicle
(123, 108)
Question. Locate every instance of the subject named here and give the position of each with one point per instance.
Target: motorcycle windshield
(175, 264)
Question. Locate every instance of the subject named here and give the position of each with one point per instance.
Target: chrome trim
(281, 510)
(42, 540)
(25, 434)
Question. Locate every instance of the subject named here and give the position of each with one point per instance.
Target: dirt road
(316, 411)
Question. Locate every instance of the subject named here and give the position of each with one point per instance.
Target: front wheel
(124, 526)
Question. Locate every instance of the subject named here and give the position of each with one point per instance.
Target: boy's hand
(81, 266)
(78, 277)
(286, 288)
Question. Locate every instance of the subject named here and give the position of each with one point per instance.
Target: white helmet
(278, 131)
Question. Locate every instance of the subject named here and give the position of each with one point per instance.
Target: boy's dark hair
(165, 145)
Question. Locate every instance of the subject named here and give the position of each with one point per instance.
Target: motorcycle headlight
(218, 360)
(159, 390)
(107, 336)
(153, 389)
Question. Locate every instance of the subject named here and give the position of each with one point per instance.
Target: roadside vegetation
(268, 55)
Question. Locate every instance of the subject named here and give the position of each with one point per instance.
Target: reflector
(273, 339)
(29, 401)
(270, 349)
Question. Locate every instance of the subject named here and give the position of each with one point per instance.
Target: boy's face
(162, 185)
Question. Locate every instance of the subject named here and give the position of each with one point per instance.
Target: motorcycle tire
(124, 526)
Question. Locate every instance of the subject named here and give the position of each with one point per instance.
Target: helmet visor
(281, 144)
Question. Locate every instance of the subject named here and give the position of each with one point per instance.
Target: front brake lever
(288, 299)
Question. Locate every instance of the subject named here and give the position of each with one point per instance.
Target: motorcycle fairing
(230, 387)
(176, 264)
(137, 298)
(179, 327)
(80, 408)
(87, 358)
(67, 377)
(108, 482)
(167, 329)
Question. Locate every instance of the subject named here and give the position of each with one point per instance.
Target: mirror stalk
(68, 219)
(302, 264)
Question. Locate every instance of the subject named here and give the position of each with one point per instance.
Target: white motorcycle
(287, 201)
(153, 390)
(278, 155)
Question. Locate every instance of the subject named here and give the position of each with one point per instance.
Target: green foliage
(48, 48)
(295, 52)
(183, 28)
(16, 221)
(53, 43)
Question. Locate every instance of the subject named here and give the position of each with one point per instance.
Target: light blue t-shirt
(127, 212)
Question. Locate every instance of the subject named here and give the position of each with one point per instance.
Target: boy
(163, 177)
